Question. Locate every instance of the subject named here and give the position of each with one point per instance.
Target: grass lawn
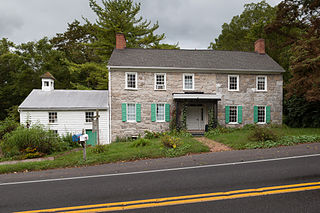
(239, 139)
(120, 151)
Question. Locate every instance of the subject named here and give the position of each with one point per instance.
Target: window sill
(160, 121)
(159, 89)
(52, 124)
(261, 90)
(188, 89)
(261, 123)
(233, 90)
(131, 121)
(233, 123)
(131, 88)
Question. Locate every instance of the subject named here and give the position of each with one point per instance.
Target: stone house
(192, 89)
(67, 111)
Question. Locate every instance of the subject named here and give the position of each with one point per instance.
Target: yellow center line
(185, 199)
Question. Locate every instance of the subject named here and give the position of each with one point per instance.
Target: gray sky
(192, 23)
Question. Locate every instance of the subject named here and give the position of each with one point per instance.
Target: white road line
(159, 170)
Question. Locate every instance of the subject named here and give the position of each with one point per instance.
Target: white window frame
(236, 114)
(164, 112)
(188, 74)
(87, 117)
(135, 112)
(155, 81)
(265, 115)
(136, 82)
(53, 121)
(229, 76)
(265, 83)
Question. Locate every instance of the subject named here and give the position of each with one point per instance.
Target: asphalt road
(206, 173)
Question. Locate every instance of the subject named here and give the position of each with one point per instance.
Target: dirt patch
(213, 145)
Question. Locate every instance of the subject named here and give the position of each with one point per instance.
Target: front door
(195, 118)
(92, 137)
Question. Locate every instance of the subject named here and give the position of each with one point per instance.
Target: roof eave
(61, 108)
(183, 69)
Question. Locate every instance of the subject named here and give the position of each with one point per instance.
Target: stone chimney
(259, 46)
(120, 41)
(47, 82)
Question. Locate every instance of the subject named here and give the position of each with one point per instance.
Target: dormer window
(46, 83)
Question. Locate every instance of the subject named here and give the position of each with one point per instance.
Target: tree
(120, 16)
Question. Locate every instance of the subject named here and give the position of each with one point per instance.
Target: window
(160, 81)
(233, 83)
(233, 114)
(53, 117)
(160, 112)
(131, 114)
(131, 80)
(261, 114)
(46, 83)
(188, 81)
(89, 116)
(261, 82)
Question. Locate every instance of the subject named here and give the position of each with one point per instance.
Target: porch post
(177, 115)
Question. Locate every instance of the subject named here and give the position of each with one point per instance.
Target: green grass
(238, 139)
(120, 151)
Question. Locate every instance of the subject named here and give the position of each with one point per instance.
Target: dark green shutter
(255, 114)
(268, 114)
(240, 114)
(124, 112)
(138, 112)
(227, 114)
(153, 112)
(167, 112)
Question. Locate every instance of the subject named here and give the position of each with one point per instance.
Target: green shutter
(240, 114)
(167, 112)
(153, 112)
(138, 112)
(255, 114)
(124, 112)
(268, 116)
(227, 114)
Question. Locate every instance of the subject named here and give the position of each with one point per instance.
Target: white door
(195, 119)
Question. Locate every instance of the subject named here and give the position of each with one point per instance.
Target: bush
(181, 133)
(170, 141)
(68, 140)
(141, 142)
(220, 130)
(123, 139)
(7, 126)
(36, 137)
(152, 135)
(262, 134)
(100, 149)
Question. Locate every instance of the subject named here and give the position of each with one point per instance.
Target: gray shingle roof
(66, 100)
(198, 59)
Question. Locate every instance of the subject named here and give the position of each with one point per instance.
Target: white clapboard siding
(68, 122)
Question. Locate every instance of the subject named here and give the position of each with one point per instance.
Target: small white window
(131, 112)
(188, 81)
(233, 114)
(160, 116)
(160, 81)
(261, 114)
(89, 116)
(261, 82)
(46, 83)
(53, 117)
(131, 80)
(233, 82)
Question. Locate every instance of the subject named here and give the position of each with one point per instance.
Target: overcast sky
(192, 23)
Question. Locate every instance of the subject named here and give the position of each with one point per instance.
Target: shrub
(181, 133)
(170, 141)
(7, 126)
(123, 139)
(100, 149)
(262, 134)
(141, 142)
(68, 140)
(35, 137)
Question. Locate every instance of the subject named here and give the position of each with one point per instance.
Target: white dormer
(47, 82)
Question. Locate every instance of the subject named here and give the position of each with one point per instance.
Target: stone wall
(248, 97)
(145, 95)
(204, 82)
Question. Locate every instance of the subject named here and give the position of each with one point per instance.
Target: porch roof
(200, 96)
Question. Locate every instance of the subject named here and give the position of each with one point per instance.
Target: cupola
(47, 82)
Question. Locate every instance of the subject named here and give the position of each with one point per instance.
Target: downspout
(109, 94)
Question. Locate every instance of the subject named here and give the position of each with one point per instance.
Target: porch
(196, 112)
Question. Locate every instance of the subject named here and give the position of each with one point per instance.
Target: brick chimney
(120, 41)
(259, 46)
